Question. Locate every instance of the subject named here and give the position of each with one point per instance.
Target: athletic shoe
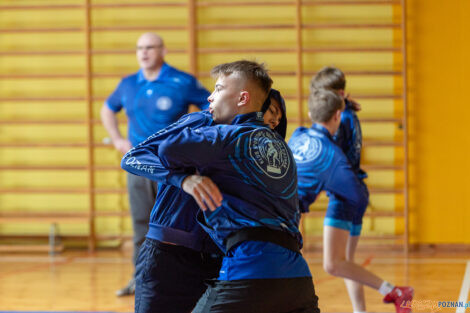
(128, 290)
(402, 297)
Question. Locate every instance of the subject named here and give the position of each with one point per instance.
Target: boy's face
(273, 114)
(225, 98)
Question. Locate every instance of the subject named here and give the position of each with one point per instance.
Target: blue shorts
(171, 278)
(341, 215)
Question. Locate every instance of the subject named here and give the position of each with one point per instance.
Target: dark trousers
(286, 295)
(142, 195)
(170, 278)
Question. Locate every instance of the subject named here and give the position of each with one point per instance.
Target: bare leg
(355, 289)
(335, 263)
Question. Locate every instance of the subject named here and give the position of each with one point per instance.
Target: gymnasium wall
(44, 114)
(439, 141)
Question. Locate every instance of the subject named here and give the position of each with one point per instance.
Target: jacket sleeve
(144, 159)
(344, 183)
(192, 148)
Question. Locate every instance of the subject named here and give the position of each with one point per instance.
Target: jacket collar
(253, 117)
(322, 130)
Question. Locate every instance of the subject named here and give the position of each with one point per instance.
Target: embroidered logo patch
(269, 153)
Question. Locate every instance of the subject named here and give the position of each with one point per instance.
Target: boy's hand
(204, 191)
(355, 105)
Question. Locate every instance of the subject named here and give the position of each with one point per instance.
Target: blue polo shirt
(152, 105)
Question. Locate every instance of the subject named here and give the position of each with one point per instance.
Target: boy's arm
(192, 148)
(144, 159)
(356, 106)
(204, 191)
(308, 193)
(344, 183)
(195, 148)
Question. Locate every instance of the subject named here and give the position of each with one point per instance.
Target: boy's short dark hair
(323, 104)
(328, 78)
(249, 70)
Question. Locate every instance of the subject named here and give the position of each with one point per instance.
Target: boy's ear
(244, 98)
(338, 115)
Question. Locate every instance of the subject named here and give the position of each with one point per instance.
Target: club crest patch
(305, 148)
(164, 103)
(269, 153)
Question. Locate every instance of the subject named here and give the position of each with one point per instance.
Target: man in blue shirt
(255, 218)
(322, 165)
(154, 97)
(177, 255)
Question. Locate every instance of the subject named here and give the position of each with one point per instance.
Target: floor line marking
(465, 289)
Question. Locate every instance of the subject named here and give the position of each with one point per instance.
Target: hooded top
(281, 129)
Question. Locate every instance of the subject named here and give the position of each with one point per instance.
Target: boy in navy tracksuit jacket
(254, 219)
(178, 256)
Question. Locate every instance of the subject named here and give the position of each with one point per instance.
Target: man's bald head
(150, 38)
(150, 51)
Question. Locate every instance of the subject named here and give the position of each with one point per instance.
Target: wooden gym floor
(79, 281)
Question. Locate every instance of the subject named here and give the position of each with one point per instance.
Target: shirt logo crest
(164, 103)
(305, 148)
(269, 153)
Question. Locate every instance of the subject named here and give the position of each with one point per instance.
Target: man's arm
(108, 117)
(110, 123)
(344, 183)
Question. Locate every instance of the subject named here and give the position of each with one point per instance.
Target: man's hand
(122, 145)
(204, 191)
(355, 105)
